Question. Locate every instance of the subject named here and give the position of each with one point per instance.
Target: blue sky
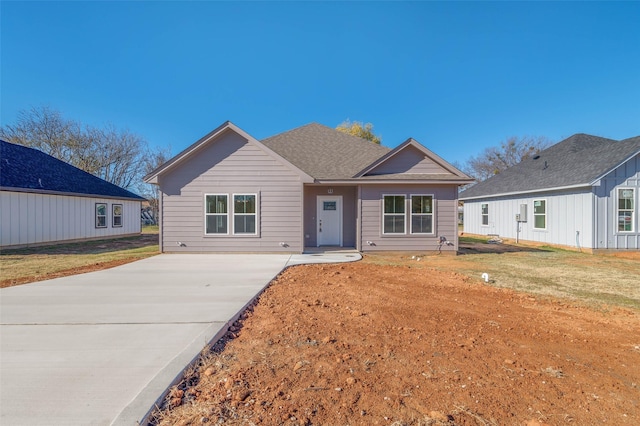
(456, 76)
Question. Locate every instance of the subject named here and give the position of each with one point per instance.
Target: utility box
(518, 218)
(523, 213)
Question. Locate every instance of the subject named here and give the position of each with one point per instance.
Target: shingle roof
(33, 170)
(578, 160)
(323, 152)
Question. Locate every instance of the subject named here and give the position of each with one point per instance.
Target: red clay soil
(363, 344)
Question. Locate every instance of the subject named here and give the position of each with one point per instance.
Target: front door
(329, 220)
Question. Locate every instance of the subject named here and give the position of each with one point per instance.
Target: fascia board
(595, 181)
(433, 156)
(531, 191)
(68, 194)
(153, 176)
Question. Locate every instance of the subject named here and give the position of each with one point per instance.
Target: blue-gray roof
(28, 169)
(577, 161)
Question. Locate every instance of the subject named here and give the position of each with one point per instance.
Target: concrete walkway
(100, 348)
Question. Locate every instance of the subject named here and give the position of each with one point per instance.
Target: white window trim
(482, 215)
(404, 232)
(233, 214)
(546, 214)
(633, 211)
(215, 214)
(106, 215)
(432, 214)
(113, 215)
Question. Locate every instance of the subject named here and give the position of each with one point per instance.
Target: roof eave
(613, 168)
(152, 177)
(70, 194)
(439, 160)
(530, 191)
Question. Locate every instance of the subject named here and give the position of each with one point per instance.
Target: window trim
(215, 234)
(546, 213)
(632, 210)
(484, 215)
(114, 215)
(404, 215)
(432, 214)
(234, 214)
(105, 215)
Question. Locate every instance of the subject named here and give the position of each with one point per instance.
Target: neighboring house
(309, 187)
(581, 192)
(44, 200)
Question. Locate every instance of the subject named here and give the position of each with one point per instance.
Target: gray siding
(445, 221)
(231, 165)
(409, 160)
(569, 218)
(606, 198)
(32, 218)
(349, 204)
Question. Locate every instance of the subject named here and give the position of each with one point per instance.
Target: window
(216, 214)
(539, 214)
(116, 215)
(485, 214)
(101, 215)
(625, 209)
(244, 214)
(393, 214)
(422, 214)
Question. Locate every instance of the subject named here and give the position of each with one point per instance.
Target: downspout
(161, 221)
(359, 219)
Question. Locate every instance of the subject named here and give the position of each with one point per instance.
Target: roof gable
(412, 158)
(579, 160)
(28, 169)
(325, 153)
(212, 137)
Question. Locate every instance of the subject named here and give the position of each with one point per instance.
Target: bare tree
(153, 159)
(112, 154)
(510, 152)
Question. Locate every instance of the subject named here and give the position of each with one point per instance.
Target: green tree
(357, 128)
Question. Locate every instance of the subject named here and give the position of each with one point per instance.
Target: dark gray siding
(231, 165)
(445, 208)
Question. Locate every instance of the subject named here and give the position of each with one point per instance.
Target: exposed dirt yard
(393, 341)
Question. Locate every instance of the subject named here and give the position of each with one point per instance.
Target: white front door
(329, 220)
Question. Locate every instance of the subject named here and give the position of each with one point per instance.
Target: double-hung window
(101, 215)
(485, 214)
(626, 209)
(244, 214)
(216, 214)
(539, 214)
(393, 214)
(116, 215)
(422, 214)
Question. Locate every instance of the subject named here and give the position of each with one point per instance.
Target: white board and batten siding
(28, 218)
(607, 236)
(445, 218)
(231, 165)
(568, 218)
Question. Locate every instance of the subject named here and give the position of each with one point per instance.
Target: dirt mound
(394, 345)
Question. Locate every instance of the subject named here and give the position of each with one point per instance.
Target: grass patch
(40, 263)
(469, 240)
(593, 279)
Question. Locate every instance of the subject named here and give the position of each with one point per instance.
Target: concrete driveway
(100, 348)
